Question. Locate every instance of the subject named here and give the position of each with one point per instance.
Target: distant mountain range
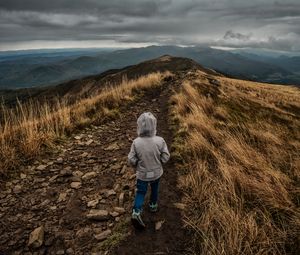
(53, 67)
(70, 91)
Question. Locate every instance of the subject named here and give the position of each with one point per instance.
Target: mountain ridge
(235, 65)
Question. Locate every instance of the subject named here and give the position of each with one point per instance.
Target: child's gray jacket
(148, 151)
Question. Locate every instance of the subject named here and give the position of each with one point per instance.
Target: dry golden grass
(25, 130)
(239, 144)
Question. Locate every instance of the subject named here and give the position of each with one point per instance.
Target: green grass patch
(119, 234)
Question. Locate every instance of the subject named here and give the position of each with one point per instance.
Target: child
(147, 154)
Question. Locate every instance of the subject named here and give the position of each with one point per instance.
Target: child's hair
(146, 124)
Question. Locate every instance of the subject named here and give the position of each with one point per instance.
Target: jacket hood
(146, 124)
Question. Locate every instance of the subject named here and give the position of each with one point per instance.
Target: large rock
(36, 237)
(102, 236)
(98, 215)
(89, 175)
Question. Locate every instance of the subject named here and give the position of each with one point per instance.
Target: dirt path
(170, 238)
(81, 197)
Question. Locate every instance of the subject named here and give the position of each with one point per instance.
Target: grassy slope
(238, 143)
(26, 130)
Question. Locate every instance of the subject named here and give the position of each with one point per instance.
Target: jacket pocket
(150, 174)
(153, 173)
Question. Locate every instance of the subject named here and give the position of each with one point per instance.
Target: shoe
(137, 221)
(153, 207)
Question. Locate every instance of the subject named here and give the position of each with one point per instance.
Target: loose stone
(89, 176)
(41, 167)
(60, 160)
(121, 199)
(120, 210)
(180, 206)
(76, 185)
(98, 215)
(93, 203)
(36, 237)
(102, 236)
(17, 189)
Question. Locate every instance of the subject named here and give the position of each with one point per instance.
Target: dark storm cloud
(130, 7)
(289, 42)
(256, 23)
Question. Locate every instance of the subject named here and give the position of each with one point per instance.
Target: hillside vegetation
(26, 129)
(238, 143)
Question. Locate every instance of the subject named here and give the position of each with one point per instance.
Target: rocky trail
(78, 200)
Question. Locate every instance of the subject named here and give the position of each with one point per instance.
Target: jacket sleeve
(164, 153)
(132, 156)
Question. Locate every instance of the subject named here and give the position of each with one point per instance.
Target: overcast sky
(27, 24)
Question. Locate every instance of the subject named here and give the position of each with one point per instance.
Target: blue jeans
(141, 192)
